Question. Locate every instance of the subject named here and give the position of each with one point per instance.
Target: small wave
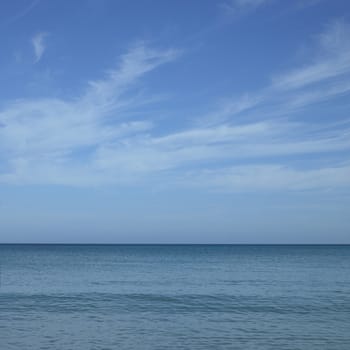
(181, 303)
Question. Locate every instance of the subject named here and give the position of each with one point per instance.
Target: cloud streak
(25, 11)
(39, 45)
(243, 7)
(270, 177)
(243, 145)
(325, 76)
(236, 7)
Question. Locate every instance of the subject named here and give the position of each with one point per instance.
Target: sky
(203, 121)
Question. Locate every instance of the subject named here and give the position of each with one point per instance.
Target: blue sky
(175, 121)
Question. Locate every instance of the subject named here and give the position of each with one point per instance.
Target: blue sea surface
(174, 297)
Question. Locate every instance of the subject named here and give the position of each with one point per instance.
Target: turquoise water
(174, 297)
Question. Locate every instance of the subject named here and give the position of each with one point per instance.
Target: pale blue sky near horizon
(175, 121)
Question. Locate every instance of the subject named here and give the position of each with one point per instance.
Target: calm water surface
(174, 297)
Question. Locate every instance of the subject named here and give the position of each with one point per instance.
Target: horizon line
(176, 244)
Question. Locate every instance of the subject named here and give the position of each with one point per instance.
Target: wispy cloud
(235, 7)
(93, 140)
(242, 7)
(324, 76)
(23, 12)
(332, 60)
(270, 177)
(44, 136)
(39, 45)
(249, 3)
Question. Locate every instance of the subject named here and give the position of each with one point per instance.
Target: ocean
(174, 297)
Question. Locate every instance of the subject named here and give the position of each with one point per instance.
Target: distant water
(174, 297)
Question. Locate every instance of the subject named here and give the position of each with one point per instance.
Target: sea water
(174, 297)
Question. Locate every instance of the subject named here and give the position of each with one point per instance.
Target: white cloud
(39, 139)
(39, 45)
(270, 177)
(332, 60)
(249, 3)
(25, 11)
(241, 7)
(326, 75)
(234, 7)
(92, 139)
